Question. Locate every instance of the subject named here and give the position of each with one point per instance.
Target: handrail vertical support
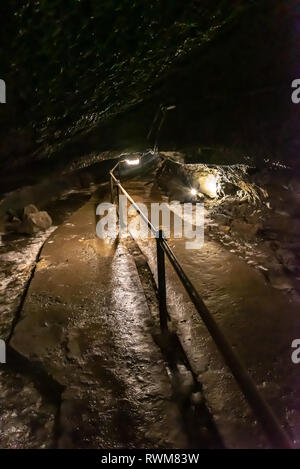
(161, 283)
(118, 189)
(111, 189)
(118, 193)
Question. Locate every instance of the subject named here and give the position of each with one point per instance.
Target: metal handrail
(264, 414)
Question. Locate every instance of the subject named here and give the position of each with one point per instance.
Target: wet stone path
(86, 367)
(86, 324)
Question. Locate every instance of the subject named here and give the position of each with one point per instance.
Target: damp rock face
(178, 180)
(35, 222)
(213, 181)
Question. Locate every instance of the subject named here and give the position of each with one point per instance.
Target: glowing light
(132, 162)
(208, 185)
(211, 187)
(193, 192)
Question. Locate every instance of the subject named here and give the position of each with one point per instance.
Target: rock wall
(254, 213)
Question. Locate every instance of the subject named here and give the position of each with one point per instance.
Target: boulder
(241, 209)
(288, 259)
(227, 188)
(11, 224)
(29, 209)
(255, 218)
(245, 230)
(224, 228)
(222, 219)
(35, 222)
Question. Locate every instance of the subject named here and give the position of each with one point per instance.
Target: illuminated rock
(208, 185)
(29, 209)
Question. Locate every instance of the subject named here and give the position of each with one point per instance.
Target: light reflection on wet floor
(259, 321)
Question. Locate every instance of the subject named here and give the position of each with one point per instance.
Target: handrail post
(111, 189)
(161, 283)
(118, 207)
(118, 189)
(118, 193)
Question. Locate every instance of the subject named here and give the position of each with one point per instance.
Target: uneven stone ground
(87, 369)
